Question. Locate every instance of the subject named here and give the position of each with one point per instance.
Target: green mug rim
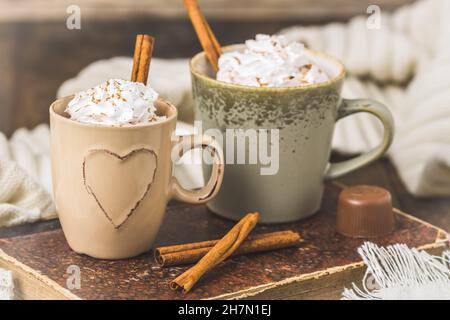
(212, 81)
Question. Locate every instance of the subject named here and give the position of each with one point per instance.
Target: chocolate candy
(365, 212)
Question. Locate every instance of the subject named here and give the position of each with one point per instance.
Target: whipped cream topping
(115, 102)
(270, 61)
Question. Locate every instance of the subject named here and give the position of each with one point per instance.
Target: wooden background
(14, 10)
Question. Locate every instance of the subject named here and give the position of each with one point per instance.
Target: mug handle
(349, 107)
(202, 195)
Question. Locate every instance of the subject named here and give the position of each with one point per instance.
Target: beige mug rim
(202, 54)
(172, 110)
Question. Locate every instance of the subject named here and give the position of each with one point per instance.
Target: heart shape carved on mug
(118, 183)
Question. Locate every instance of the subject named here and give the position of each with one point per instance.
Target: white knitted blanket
(407, 62)
(25, 178)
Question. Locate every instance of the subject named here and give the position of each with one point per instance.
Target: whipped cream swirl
(115, 102)
(270, 61)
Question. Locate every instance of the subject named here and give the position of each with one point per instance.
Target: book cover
(44, 267)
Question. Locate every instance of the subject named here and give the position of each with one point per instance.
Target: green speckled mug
(305, 117)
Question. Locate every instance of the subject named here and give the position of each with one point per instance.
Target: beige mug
(111, 184)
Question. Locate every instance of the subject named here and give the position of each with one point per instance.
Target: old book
(44, 267)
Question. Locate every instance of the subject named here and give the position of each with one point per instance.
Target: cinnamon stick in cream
(205, 35)
(141, 60)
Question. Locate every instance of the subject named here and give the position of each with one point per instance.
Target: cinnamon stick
(221, 250)
(207, 39)
(213, 38)
(193, 252)
(141, 60)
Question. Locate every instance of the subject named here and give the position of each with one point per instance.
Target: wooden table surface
(38, 56)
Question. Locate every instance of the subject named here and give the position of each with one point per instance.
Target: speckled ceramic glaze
(305, 117)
